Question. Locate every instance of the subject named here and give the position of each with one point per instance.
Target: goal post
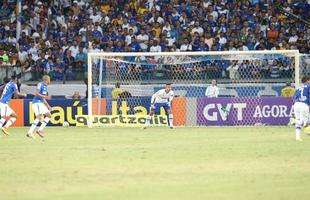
(241, 75)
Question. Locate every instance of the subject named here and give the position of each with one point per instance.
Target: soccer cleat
(40, 133)
(171, 127)
(298, 139)
(5, 131)
(29, 135)
(144, 127)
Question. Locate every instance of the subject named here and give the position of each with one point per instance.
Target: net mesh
(304, 65)
(242, 79)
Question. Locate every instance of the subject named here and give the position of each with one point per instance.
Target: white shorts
(5, 110)
(301, 112)
(39, 109)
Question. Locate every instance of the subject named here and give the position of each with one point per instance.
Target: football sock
(298, 126)
(171, 119)
(2, 121)
(298, 131)
(44, 123)
(33, 126)
(148, 120)
(10, 122)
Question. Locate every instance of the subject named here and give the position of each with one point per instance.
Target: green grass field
(156, 164)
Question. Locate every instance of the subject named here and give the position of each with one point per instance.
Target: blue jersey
(8, 90)
(42, 89)
(302, 94)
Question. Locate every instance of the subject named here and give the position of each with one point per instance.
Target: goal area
(120, 86)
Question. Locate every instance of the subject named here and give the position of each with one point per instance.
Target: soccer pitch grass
(155, 164)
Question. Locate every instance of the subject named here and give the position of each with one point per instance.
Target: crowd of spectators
(56, 35)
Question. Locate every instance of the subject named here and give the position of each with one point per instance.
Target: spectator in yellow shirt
(133, 5)
(105, 7)
(141, 9)
(157, 29)
(117, 91)
(288, 91)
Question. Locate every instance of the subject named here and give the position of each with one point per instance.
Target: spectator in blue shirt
(49, 67)
(38, 68)
(4, 11)
(134, 45)
(68, 59)
(202, 47)
(105, 38)
(59, 69)
(119, 47)
(80, 60)
(97, 32)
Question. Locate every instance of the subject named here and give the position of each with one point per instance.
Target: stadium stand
(56, 35)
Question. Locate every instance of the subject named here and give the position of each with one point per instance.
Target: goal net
(120, 86)
(304, 65)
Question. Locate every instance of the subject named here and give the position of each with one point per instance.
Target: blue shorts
(157, 107)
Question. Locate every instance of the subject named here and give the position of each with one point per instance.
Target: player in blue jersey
(5, 81)
(301, 107)
(41, 107)
(9, 89)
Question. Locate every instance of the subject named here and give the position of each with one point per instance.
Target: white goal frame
(292, 53)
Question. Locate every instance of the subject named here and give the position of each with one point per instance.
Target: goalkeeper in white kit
(161, 98)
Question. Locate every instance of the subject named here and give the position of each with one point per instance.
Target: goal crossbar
(191, 53)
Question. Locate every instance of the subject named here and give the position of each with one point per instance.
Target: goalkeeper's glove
(152, 106)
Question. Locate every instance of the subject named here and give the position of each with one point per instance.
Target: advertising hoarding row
(224, 111)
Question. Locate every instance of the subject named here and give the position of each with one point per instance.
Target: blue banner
(62, 110)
